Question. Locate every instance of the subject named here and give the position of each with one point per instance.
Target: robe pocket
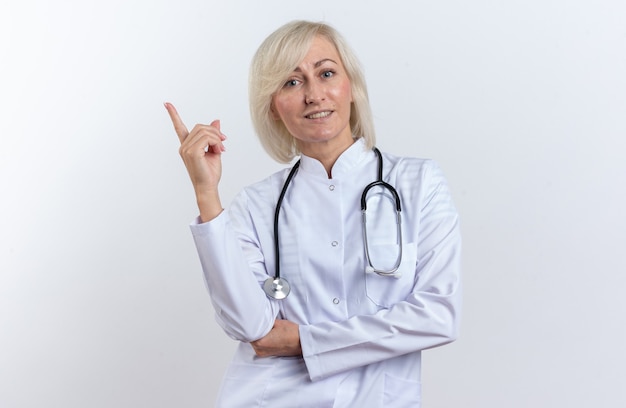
(386, 291)
(401, 393)
(245, 384)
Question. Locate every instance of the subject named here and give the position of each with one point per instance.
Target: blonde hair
(275, 60)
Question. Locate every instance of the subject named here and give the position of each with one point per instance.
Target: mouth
(318, 115)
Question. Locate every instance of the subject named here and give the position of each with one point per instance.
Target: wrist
(209, 204)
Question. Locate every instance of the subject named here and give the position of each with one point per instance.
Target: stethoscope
(277, 287)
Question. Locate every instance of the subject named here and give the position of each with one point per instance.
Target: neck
(326, 154)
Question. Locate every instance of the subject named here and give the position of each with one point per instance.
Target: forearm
(421, 322)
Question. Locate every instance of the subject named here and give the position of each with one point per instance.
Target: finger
(205, 138)
(179, 126)
(219, 148)
(217, 124)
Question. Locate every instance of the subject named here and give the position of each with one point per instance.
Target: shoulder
(411, 168)
(417, 180)
(262, 193)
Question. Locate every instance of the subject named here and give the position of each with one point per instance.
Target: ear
(273, 112)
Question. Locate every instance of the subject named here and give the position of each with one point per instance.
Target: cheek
(275, 108)
(281, 106)
(344, 92)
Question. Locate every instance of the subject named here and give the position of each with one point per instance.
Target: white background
(522, 102)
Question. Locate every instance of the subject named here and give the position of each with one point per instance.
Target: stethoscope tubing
(279, 203)
(278, 288)
(393, 272)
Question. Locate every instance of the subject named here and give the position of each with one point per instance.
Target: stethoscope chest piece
(276, 288)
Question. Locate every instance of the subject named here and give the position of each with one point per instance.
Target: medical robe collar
(347, 161)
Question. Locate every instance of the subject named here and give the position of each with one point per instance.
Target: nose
(314, 93)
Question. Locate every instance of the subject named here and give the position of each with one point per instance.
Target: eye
(291, 83)
(327, 74)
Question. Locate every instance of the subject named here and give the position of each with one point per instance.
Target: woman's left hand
(282, 341)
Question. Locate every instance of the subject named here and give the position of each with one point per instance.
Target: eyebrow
(318, 64)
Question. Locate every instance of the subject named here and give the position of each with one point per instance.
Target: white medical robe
(362, 334)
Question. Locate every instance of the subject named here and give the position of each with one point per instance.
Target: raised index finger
(179, 126)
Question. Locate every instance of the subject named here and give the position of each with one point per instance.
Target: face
(314, 102)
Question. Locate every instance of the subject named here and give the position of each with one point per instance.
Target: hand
(201, 151)
(282, 341)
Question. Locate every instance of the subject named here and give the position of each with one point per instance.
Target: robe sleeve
(233, 268)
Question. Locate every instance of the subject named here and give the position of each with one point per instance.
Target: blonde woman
(357, 299)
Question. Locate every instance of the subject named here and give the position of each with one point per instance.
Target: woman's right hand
(201, 151)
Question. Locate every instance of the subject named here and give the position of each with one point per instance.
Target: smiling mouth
(318, 115)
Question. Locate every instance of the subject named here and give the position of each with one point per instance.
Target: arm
(428, 317)
(232, 272)
(242, 308)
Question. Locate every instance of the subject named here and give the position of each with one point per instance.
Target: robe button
(336, 301)
(334, 243)
(331, 187)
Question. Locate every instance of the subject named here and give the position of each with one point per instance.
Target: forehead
(321, 49)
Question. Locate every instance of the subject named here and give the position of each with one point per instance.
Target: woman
(346, 336)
